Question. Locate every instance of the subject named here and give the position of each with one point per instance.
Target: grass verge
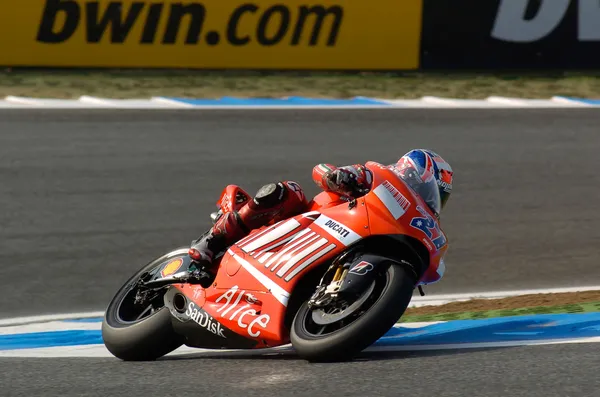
(562, 309)
(211, 84)
(572, 302)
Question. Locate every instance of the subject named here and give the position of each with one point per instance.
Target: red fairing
(325, 200)
(258, 274)
(416, 220)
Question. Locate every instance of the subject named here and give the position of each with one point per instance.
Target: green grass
(574, 308)
(210, 84)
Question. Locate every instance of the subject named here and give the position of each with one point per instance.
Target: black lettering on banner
(234, 21)
(96, 27)
(510, 34)
(178, 11)
(304, 25)
(47, 32)
(320, 13)
(151, 26)
(266, 20)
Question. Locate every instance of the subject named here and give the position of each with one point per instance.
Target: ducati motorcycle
(331, 281)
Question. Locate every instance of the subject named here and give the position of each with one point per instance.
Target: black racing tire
(345, 343)
(143, 340)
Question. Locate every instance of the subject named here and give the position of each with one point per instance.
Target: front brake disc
(319, 316)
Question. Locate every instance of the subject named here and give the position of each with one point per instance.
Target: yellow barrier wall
(329, 34)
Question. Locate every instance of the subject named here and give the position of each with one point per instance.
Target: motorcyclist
(281, 200)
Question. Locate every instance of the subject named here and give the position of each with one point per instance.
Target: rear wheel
(339, 332)
(134, 332)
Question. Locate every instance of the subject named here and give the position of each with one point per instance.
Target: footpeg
(198, 276)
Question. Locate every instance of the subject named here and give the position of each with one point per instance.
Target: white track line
(21, 100)
(436, 300)
(48, 317)
(57, 326)
(171, 102)
(507, 101)
(51, 326)
(96, 101)
(95, 351)
(439, 101)
(425, 102)
(571, 102)
(289, 107)
(457, 346)
(428, 300)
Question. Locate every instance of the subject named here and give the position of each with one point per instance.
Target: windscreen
(421, 180)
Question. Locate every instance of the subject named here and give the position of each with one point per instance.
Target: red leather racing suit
(281, 200)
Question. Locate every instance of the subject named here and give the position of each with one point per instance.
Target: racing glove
(353, 180)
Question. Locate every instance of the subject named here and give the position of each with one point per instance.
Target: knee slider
(270, 195)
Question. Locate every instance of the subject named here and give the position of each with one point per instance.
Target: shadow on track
(403, 355)
(365, 356)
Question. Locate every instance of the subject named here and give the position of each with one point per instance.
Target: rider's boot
(233, 226)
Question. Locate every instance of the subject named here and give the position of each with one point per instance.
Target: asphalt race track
(552, 371)
(89, 196)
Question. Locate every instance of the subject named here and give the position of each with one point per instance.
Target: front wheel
(338, 334)
(141, 332)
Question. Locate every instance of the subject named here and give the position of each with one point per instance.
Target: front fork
(348, 277)
(330, 284)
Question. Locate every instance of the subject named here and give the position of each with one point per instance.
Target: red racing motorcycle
(331, 281)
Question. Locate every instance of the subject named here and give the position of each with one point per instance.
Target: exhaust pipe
(179, 302)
